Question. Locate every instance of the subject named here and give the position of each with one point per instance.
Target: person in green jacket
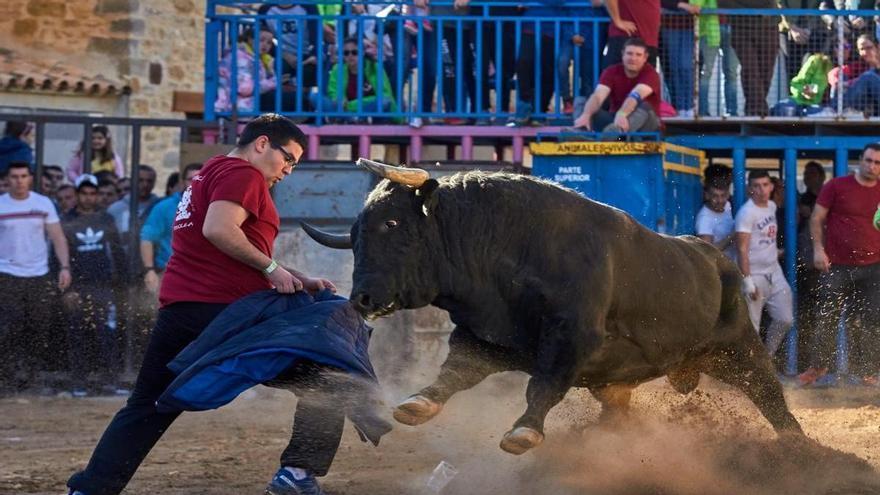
(811, 82)
(342, 87)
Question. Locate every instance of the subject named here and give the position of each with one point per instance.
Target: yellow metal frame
(593, 148)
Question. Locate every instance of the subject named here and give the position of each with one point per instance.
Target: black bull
(539, 279)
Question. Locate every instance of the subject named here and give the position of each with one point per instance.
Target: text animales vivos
(540, 279)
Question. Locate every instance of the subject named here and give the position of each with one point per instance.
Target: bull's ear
(426, 196)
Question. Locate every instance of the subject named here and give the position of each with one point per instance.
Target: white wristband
(748, 285)
(271, 268)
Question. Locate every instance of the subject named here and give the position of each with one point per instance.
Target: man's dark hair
(815, 165)
(718, 176)
(107, 182)
(350, 41)
(279, 129)
(758, 174)
(55, 168)
(870, 146)
(635, 42)
(65, 186)
(105, 175)
(171, 182)
(190, 168)
(15, 128)
(24, 165)
(146, 168)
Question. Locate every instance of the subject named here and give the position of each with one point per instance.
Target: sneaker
(79, 392)
(686, 114)
(283, 483)
(825, 112)
(416, 122)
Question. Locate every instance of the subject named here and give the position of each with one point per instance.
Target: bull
(539, 279)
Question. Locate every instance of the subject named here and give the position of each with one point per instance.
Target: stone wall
(155, 45)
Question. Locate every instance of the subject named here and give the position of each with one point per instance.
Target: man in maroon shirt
(846, 249)
(634, 89)
(222, 242)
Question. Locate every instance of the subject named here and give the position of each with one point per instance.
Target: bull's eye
(390, 224)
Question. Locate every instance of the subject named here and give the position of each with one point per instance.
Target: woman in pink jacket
(103, 156)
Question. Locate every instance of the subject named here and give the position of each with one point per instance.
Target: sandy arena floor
(710, 442)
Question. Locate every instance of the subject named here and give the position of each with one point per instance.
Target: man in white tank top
(758, 258)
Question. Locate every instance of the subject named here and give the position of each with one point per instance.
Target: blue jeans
(678, 66)
(323, 103)
(864, 93)
(729, 67)
(586, 69)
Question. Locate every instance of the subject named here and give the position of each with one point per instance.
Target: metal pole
(841, 162)
(790, 181)
(695, 94)
(739, 176)
(87, 148)
(39, 151)
(133, 245)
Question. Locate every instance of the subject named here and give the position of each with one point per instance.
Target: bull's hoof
(416, 409)
(520, 439)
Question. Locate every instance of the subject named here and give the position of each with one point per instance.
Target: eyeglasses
(289, 160)
(349, 52)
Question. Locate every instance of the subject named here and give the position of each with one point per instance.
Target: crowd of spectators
(431, 65)
(74, 304)
(837, 261)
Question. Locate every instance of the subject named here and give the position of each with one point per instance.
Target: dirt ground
(710, 442)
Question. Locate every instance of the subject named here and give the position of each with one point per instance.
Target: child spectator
(95, 261)
(248, 89)
(103, 156)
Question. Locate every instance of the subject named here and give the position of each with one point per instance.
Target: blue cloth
(258, 337)
(157, 228)
(13, 149)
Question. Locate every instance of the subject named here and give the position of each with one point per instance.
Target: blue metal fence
(412, 56)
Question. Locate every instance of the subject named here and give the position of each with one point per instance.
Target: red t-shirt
(621, 86)
(197, 270)
(850, 238)
(646, 16)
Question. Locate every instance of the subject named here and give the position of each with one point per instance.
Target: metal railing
(488, 66)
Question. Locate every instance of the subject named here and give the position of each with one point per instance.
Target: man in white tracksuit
(764, 283)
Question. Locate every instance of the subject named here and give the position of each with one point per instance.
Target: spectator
(121, 209)
(103, 156)
(851, 69)
(846, 249)
(572, 43)
(156, 232)
(50, 180)
(248, 89)
(65, 198)
(677, 33)
(807, 88)
(171, 184)
(714, 40)
(96, 258)
(289, 32)
(718, 174)
(531, 58)
(715, 221)
(864, 94)
(632, 19)
(756, 41)
(778, 198)
(26, 220)
(124, 185)
(108, 193)
(14, 146)
(634, 89)
(505, 62)
(802, 36)
(106, 175)
(764, 283)
(345, 77)
(807, 275)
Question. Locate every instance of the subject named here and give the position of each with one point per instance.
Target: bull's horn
(335, 241)
(414, 177)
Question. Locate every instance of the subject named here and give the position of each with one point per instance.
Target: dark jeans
(91, 342)
(858, 288)
(755, 40)
(507, 68)
(527, 67)
(642, 119)
(27, 340)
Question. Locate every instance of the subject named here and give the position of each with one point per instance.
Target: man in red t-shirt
(846, 249)
(222, 242)
(634, 89)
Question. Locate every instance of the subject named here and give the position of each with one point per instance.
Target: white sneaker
(416, 122)
(686, 114)
(852, 113)
(825, 112)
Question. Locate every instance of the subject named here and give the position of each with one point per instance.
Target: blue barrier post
(841, 161)
(790, 181)
(739, 176)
